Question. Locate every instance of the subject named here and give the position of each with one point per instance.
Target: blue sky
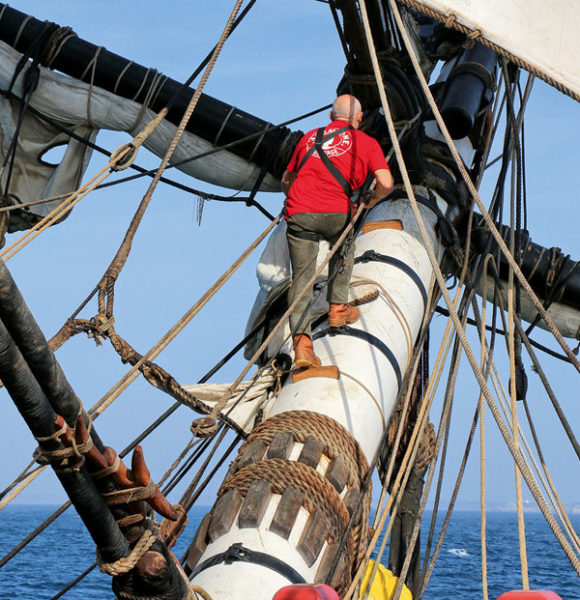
(284, 60)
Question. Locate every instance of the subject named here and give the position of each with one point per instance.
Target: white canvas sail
(540, 36)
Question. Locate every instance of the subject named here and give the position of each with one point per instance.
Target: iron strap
(371, 255)
(367, 337)
(237, 553)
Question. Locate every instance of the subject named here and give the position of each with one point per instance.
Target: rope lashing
(125, 564)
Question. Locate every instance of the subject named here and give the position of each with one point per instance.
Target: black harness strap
(371, 255)
(237, 553)
(317, 146)
(367, 337)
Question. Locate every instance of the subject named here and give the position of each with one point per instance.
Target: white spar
(362, 399)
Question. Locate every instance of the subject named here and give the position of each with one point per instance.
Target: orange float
(529, 595)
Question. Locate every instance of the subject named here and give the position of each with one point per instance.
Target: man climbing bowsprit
(327, 165)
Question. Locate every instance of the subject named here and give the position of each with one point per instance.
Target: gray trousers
(304, 230)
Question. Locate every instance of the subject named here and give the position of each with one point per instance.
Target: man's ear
(331, 115)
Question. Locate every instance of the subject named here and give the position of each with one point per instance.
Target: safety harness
(317, 147)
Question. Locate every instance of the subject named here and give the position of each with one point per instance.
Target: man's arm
(384, 185)
(287, 180)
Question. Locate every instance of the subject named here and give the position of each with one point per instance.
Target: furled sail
(85, 109)
(538, 36)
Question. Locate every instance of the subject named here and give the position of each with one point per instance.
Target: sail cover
(539, 36)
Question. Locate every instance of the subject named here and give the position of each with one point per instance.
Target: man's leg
(303, 247)
(339, 274)
(341, 264)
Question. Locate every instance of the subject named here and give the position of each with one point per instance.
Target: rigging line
(137, 440)
(403, 394)
(133, 373)
(530, 480)
(163, 417)
(447, 519)
(548, 388)
(562, 511)
(502, 395)
(538, 368)
(442, 434)
(410, 453)
(222, 402)
(487, 218)
(339, 30)
(205, 61)
(61, 210)
(120, 258)
(443, 311)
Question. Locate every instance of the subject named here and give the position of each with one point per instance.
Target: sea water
(65, 550)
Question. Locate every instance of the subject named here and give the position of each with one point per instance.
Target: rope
(108, 280)
(125, 564)
(528, 476)
(197, 589)
(303, 424)
(451, 21)
(128, 378)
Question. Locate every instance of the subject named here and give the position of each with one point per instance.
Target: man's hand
(287, 180)
(383, 187)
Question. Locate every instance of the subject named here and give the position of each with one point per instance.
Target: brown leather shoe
(304, 356)
(341, 314)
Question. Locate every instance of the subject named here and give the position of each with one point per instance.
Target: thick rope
(303, 424)
(125, 564)
(120, 258)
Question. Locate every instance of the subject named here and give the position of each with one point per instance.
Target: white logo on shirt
(336, 146)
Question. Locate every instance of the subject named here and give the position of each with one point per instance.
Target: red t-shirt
(315, 190)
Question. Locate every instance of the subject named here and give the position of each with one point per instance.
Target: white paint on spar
(362, 406)
(241, 580)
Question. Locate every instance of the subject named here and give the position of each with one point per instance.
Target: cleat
(341, 314)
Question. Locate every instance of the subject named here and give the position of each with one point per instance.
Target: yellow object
(384, 584)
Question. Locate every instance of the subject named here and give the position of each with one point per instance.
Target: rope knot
(450, 20)
(123, 157)
(204, 427)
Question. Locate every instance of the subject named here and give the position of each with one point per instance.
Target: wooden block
(255, 504)
(223, 514)
(337, 473)
(330, 371)
(313, 537)
(252, 454)
(286, 512)
(351, 499)
(395, 224)
(281, 445)
(312, 452)
(326, 563)
(198, 544)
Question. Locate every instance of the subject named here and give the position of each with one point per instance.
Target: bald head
(347, 108)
